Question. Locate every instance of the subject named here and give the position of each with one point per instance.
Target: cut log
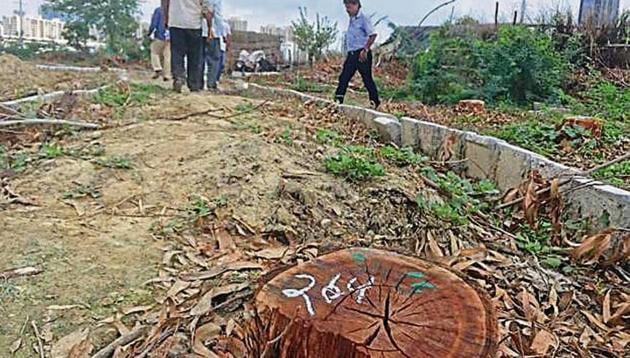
(372, 303)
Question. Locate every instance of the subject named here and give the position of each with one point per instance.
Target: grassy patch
(136, 94)
(303, 84)
(51, 151)
(617, 174)
(401, 157)
(115, 162)
(354, 163)
(327, 136)
(537, 136)
(244, 107)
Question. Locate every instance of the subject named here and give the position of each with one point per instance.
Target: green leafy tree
(314, 37)
(114, 20)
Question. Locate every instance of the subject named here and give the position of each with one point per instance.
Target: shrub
(519, 65)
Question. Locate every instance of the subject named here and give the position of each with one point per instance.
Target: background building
(33, 28)
(237, 24)
(599, 12)
(291, 53)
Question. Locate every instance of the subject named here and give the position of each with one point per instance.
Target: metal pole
(523, 8)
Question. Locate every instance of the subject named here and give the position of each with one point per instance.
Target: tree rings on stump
(373, 303)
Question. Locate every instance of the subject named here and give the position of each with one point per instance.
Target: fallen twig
(20, 272)
(48, 121)
(120, 341)
(194, 114)
(243, 112)
(40, 344)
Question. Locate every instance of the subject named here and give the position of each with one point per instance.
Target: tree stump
(373, 303)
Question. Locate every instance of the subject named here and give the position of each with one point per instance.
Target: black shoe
(157, 75)
(375, 104)
(177, 85)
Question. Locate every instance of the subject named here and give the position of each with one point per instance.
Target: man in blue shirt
(160, 46)
(359, 40)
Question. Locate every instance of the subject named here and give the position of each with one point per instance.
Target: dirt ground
(157, 197)
(20, 79)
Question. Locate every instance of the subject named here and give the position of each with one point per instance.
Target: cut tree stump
(372, 303)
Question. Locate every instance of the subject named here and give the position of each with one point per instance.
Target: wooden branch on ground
(566, 181)
(40, 343)
(38, 121)
(120, 341)
(19, 272)
(194, 114)
(10, 111)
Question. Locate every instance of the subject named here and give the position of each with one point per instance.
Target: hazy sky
(401, 12)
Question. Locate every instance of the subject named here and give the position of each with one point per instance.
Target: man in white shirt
(212, 46)
(184, 18)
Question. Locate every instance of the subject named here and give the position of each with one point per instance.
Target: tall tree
(314, 37)
(113, 20)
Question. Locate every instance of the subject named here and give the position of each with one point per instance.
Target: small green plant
(115, 162)
(244, 107)
(51, 151)
(82, 191)
(199, 208)
(136, 94)
(401, 157)
(617, 174)
(285, 136)
(302, 84)
(354, 163)
(4, 158)
(328, 136)
(536, 136)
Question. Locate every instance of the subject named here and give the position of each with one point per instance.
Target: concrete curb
(53, 96)
(78, 69)
(488, 157)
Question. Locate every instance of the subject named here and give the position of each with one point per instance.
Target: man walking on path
(160, 46)
(359, 40)
(212, 46)
(183, 19)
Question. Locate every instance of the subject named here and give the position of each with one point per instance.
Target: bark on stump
(372, 303)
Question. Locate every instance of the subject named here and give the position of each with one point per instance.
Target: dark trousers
(187, 44)
(350, 67)
(212, 60)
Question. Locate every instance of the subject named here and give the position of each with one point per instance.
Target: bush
(519, 66)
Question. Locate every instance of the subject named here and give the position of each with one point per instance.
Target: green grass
(244, 107)
(115, 162)
(537, 136)
(51, 151)
(302, 84)
(354, 163)
(616, 174)
(327, 136)
(401, 157)
(139, 94)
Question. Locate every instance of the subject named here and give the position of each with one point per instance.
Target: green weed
(354, 163)
(536, 136)
(303, 84)
(328, 136)
(616, 174)
(244, 107)
(51, 151)
(401, 157)
(115, 162)
(138, 94)
(286, 137)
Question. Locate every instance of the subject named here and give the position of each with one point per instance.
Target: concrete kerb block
(53, 96)
(409, 135)
(606, 205)
(388, 129)
(482, 155)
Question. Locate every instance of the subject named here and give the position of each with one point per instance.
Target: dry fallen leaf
(205, 302)
(65, 345)
(606, 308)
(543, 341)
(593, 247)
(15, 346)
(202, 334)
(272, 253)
(177, 287)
